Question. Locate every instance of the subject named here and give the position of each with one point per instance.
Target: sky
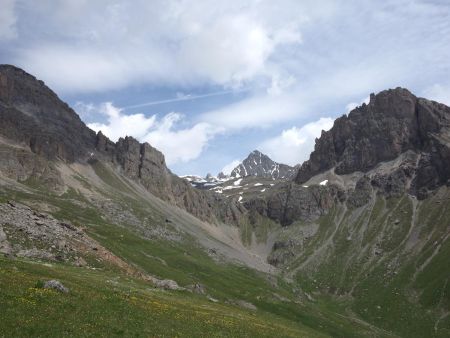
(207, 82)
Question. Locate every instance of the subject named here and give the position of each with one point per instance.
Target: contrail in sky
(185, 98)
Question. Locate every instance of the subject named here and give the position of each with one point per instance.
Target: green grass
(104, 305)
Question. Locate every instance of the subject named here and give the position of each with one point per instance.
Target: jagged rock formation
(394, 122)
(43, 128)
(289, 202)
(258, 164)
(147, 165)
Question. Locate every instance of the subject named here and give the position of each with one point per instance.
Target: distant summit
(259, 164)
(256, 164)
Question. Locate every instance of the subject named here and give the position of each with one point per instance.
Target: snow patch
(263, 190)
(324, 182)
(237, 182)
(258, 184)
(229, 187)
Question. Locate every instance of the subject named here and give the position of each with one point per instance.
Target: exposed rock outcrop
(361, 194)
(394, 122)
(290, 202)
(33, 115)
(21, 165)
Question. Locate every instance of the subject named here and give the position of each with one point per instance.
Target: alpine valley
(101, 239)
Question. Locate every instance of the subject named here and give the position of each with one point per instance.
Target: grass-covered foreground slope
(102, 304)
(149, 237)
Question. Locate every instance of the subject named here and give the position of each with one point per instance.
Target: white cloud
(170, 42)
(259, 111)
(120, 125)
(178, 145)
(7, 20)
(230, 166)
(280, 84)
(294, 145)
(74, 68)
(439, 93)
(232, 50)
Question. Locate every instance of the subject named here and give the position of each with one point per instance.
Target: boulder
(55, 285)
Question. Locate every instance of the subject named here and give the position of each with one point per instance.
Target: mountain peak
(256, 153)
(393, 122)
(259, 164)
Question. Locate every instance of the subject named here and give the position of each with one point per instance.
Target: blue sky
(207, 82)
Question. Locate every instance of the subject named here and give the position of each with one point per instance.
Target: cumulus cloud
(119, 125)
(294, 145)
(178, 145)
(7, 20)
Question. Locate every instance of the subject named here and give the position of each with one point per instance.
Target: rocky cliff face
(33, 115)
(289, 202)
(145, 164)
(394, 122)
(258, 164)
(41, 127)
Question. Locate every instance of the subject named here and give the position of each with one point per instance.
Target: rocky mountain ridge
(393, 122)
(34, 118)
